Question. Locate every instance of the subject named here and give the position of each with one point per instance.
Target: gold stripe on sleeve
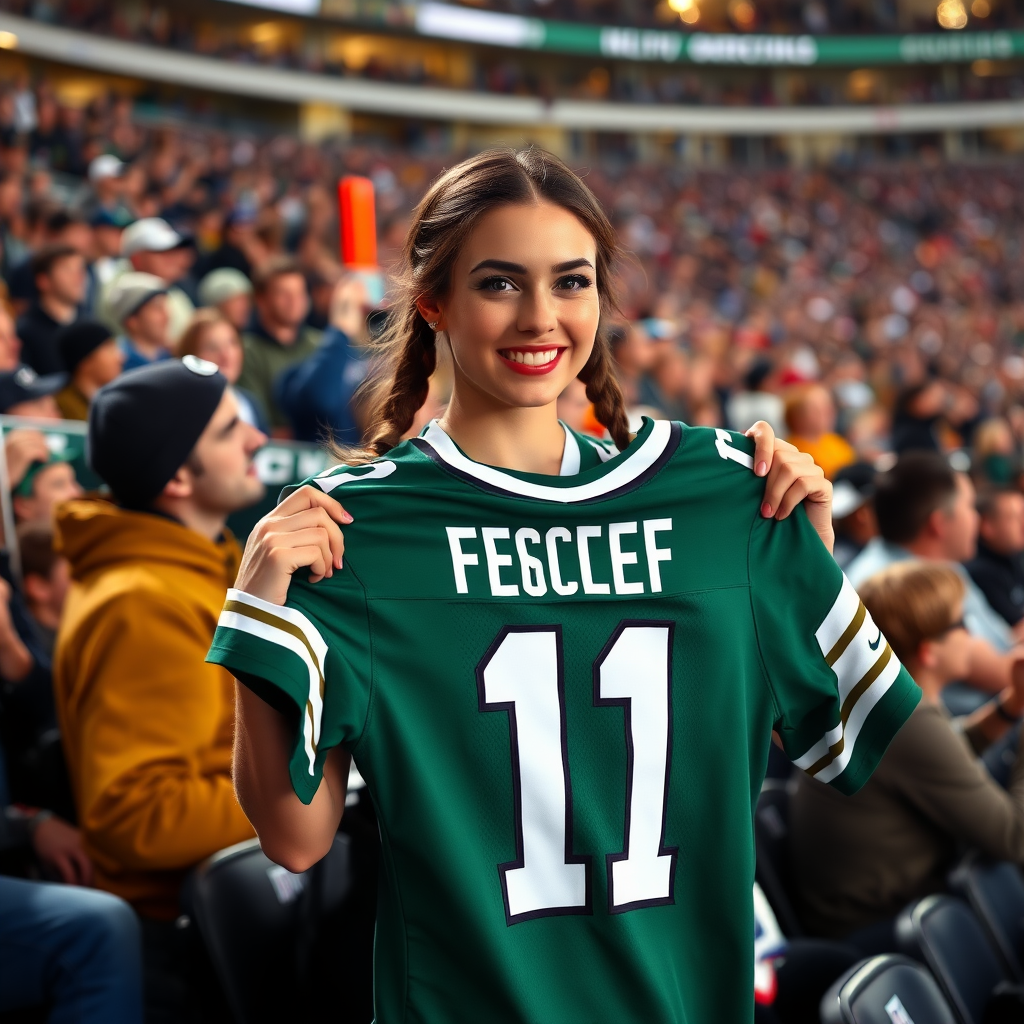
(848, 634)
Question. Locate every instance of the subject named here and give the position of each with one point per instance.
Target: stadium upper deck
(367, 66)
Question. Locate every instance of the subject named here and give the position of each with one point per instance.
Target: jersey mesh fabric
(444, 670)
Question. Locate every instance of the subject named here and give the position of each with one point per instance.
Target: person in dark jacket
(998, 566)
(61, 280)
(316, 394)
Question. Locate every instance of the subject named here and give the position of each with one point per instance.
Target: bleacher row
(962, 958)
(284, 946)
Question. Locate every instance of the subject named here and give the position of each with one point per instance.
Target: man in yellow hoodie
(147, 723)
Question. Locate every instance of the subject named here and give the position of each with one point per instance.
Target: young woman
(859, 862)
(556, 662)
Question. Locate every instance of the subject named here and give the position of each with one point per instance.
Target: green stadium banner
(278, 464)
(446, 21)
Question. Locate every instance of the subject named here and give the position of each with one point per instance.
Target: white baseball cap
(131, 291)
(106, 165)
(151, 234)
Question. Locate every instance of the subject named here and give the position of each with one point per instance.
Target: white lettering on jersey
(652, 527)
(620, 559)
(541, 560)
(583, 535)
(495, 561)
(726, 450)
(533, 568)
(558, 533)
(457, 534)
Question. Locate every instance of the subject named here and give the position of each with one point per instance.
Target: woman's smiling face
(523, 308)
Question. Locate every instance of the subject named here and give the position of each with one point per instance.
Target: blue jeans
(76, 949)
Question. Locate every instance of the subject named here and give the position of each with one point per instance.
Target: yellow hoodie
(147, 724)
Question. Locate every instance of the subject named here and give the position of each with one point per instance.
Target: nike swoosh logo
(874, 644)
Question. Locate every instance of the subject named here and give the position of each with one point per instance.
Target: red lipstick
(534, 368)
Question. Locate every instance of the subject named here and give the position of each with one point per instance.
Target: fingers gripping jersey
(561, 691)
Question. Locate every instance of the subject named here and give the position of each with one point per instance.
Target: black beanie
(79, 340)
(143, 425)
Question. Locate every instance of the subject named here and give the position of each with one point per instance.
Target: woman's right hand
(302, 532)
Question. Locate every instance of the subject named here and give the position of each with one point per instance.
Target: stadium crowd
(874, 316)
(308, 47)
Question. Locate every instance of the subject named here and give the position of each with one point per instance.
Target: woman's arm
(292, 834)
(302, 532)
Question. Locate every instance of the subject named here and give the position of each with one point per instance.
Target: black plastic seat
(943, 933)
(771, 843)
(995, 892)
(258, 922)
(884, 989)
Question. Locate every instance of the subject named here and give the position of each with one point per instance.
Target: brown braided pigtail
(399, 394)
(604, 392)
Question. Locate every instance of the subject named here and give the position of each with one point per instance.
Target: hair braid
(406, 387)
(604, 392)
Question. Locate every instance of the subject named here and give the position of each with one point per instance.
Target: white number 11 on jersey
(522, 674)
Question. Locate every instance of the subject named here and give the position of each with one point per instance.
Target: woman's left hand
(792, 477)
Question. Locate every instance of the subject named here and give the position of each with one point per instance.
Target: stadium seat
(259, 921)
(878, 990)
(995, 892)
(771, 843)
(943, 933)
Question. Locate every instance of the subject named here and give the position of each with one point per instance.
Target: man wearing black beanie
(146, 723)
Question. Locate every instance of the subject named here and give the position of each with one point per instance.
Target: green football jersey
(560, 692)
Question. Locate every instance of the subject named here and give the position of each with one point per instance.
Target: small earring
(432, 324)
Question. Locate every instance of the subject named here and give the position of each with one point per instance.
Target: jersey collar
(653, 445)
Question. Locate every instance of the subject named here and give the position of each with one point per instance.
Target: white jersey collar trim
(621, 475)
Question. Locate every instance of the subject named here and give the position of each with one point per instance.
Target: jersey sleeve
(839, 690)
(310, 659)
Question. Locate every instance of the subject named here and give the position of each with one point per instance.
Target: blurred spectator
(755, 402)
(211, 336)
(60, 279)
(152, 246)
(810, 413)
(24, 393)
(147, 724)
(107, 230)
(28, 718)
(73, 951)
(993, 451)
(316, 393)
(44, 486)
(93, 358)
(859, 860)
(925, 510)
(229, 291)
(236, 247)
(138, 305)
(998, 566)
(853, 511)
(10, 343)
(279, 337)
(45, 577)
(106, 178)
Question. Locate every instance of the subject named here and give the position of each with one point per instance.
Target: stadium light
(687, 10)
(951, 14)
